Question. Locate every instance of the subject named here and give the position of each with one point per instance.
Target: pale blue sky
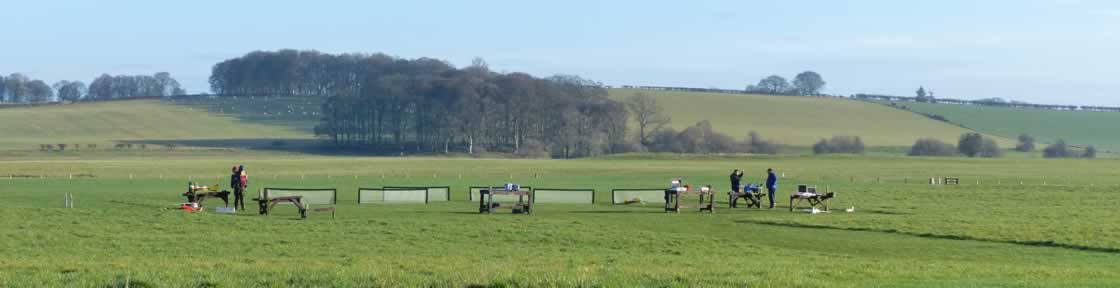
(1046, 51)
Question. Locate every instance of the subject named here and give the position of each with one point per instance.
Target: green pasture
(1076, 127)
(799, 121)
(105, 124)
(295, 112)
(1011, 223)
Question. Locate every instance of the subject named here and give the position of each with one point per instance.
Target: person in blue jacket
(771, 185)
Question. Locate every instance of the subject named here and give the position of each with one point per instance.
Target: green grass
(799, 121)
(1076, 127)
(300, 113)
(106, 123)
(1054, 229)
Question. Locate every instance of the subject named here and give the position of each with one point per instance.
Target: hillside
(239, 122)
(1076, 127)
(799, 121)
(104, 123)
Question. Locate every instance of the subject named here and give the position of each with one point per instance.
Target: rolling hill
(104, 123)
(800, 121)
(1076, 127)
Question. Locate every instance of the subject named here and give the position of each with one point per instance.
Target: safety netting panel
(404, 195)
(631, 196)
(439, 194)
(370, 195)
(571, 196)
(310, 196)
(435, 193)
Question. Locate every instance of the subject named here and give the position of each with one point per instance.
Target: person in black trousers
(238, 189)
(736, 179)
(771, 185)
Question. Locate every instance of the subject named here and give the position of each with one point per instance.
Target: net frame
(536, 196)
(615, 200)
(363, 200)
(429, 190)
(266, 194)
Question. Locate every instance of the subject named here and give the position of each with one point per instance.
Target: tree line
(18, 88)
(806, 83)
(384, 103)
(976, 145)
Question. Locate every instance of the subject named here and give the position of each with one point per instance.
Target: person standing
(239, 193)
(736, 179)
(235, 184)
(771, 185)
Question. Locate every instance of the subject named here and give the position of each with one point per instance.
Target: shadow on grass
(615, 212)
(885, 212)
(1047, 243)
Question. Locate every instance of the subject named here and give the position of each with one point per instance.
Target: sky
(1041, 51)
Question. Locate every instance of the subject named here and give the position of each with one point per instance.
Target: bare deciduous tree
(649, 115)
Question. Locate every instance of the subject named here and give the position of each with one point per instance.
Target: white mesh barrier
(626, 196)
(573, 196)
(310, 196)
(404, 195)
(370, 195)
(439, 194)
(435, 193)
(392, 195)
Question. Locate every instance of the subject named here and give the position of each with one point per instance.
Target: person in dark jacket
(235, 179)
(736, 180)
(238, 182)
(771, 185)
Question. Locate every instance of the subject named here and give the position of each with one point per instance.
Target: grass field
(1012, 223)
(800, 121)
(107, 123)
(1077, 128)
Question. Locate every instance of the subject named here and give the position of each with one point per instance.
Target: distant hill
(1081, 128)
(800, 121)
(243, 121)
(105, 123)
